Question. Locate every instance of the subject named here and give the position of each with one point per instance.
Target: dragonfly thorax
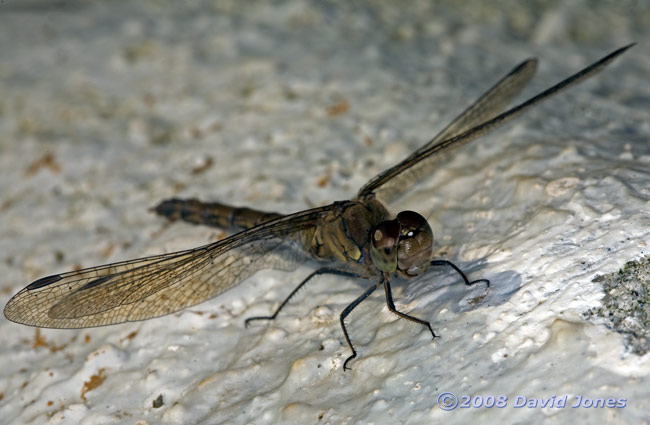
(402, 245)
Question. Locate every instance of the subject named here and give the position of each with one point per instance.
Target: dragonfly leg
(344, 314)
(324, 270)
(391, 307)
(459, 271)
(212, 214)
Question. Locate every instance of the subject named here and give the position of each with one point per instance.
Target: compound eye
(415, 243)
(410, 221)
(383, 246)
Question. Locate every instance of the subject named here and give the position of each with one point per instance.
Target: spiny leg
(459, 271)
(391, 307)
(344, 314)
(324, 270)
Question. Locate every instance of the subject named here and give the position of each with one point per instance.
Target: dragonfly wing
(480, 118)
(158, 285)
(491, 103)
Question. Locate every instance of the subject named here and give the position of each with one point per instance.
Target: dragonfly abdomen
(213, 214)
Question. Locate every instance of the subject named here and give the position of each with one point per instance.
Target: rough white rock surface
(107, 108)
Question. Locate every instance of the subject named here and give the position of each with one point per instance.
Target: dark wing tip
(616, 53)
(96, 282)
(44, 281)
(624, 48)
(15, 309)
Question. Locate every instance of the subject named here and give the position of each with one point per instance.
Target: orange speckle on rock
(338, 108)
(130, 336)
(45, 161)
(39, 340)
(322, 182)
(87, 338)
(50, 403)
(94, 382)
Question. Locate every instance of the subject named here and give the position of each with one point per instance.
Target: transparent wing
(488, 106)
(158, 285)
(477, 120)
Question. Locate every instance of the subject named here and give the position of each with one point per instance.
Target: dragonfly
(357, 238)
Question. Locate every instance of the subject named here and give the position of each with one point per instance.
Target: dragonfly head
(403, 245)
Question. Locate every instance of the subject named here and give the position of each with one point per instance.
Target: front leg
(391, 307)
(459, 271)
